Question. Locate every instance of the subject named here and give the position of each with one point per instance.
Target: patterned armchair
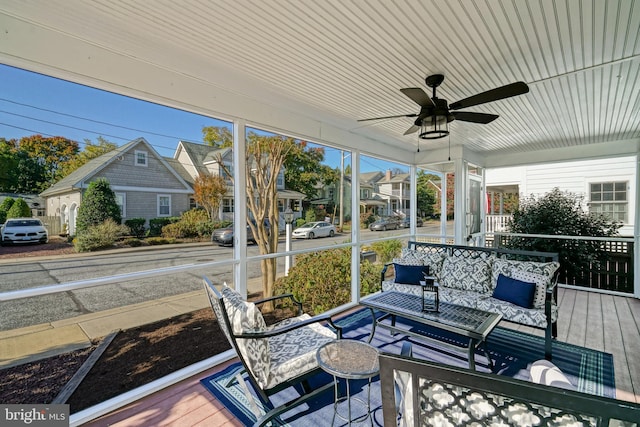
(277, 356)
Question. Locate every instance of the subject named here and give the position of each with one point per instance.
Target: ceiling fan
(435, 114)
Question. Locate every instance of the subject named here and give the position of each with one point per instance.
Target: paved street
(25, 273)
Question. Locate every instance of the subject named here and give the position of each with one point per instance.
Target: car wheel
(311, 236)
(331, 233)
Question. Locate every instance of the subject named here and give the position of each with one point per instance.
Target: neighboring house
(196, 159)
(607, 185)
(396, 190)
(146, 185)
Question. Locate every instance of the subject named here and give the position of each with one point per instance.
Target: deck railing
(612, 271)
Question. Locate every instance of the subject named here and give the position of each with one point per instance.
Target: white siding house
(607, 185)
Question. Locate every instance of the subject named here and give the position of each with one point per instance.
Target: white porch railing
(497, 223)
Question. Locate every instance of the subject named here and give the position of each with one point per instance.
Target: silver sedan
(311, 230)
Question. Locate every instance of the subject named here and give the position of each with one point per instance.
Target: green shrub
(322, 280)
(561, 213)
(98, 205)
(132, 242)
(299, 222)
(153, 241)
(101, 236)
(19, 209)
(4, 208)
(136, 225)
(193, 223)
(366, 219)
(156, 224)
(387, 250)
(310, 215)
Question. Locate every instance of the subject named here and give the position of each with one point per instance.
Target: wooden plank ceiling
(339, 61)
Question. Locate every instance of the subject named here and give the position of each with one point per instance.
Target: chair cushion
(470, 274)
(245, 316)
(545, 372)
(515, 291)
(294, 353)
(410, 274)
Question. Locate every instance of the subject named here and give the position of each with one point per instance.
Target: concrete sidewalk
(36, 342)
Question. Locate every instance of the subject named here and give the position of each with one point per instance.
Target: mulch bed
(135, 357)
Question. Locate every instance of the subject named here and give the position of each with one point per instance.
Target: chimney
(388, 175)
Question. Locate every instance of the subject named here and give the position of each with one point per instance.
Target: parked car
(23, 230)
(224, 236)
(315, 229)
(406, 222)
(383, 224)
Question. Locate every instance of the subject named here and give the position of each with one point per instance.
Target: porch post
(240, 208)
(636, 234)
(443, 208)
(355, 226)
(460, 202)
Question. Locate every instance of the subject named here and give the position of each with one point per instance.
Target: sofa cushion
(515, 291)
(540, 280)
(514, 313)
(459, 297)
(410, 274)
(390, 285)
(470, 274)
(506, 266)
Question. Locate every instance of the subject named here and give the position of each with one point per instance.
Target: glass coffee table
(349, 360)
(474, 326)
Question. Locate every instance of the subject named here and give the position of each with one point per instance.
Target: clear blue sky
(32, 103)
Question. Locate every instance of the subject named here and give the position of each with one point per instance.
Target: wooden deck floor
(601, 322)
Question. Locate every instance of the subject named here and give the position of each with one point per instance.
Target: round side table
(349, 360)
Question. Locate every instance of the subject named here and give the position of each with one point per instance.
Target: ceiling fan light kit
(433, 119)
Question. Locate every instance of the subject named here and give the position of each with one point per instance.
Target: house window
(227, 205)
(610, 199)
(192, 203)
(121, 201)
(140, 158)
(164, 205)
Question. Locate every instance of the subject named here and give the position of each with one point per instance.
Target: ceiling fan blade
(418, 96)
(389, 117)
(412, 129)
(502, 92)
(469, 116)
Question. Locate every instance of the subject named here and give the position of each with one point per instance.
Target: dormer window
(141, 158)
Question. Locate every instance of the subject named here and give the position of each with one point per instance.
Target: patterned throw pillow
(467, 274)
(540, 281)
(505, 266)
(242, 315)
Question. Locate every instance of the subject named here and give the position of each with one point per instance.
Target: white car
(311, 230)
(23, 230)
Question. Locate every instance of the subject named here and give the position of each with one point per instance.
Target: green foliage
(304, 169)
(19, 209)
(299, 221)
(193, 223)
(322, 280)
(309, 216)
(561, 213)
(101, 236)
(156, 224)
(4, 208)
(136, 225)
(90, 151)
(366, 218)
(387, 250)
(153, 241)
(132, 242)
(98, 205)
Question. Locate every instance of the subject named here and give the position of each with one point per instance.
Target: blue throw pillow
(410, 274)
(515, 291)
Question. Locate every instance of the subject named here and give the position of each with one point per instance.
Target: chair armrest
(284, 329)
(384, 271)
(283, 296)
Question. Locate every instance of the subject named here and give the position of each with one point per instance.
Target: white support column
(636, 234)
(413, 198)
(240, 208)
(355, 225)
(460, 204)
(443, 208)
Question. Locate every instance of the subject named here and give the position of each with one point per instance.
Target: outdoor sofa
(520, 285)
